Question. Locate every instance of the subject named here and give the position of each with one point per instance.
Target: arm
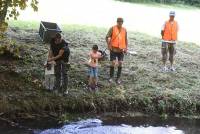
(60, 54)
(178, 27)
(108, 38)
(162, 33)
(162, 29)
(50, 55)
(126, 42)
(100, 56)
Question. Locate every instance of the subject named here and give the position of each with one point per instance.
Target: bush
(11, 50)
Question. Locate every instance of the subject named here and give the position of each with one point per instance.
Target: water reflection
(106, 125)
(95, 126)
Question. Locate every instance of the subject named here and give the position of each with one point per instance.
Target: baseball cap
(172, 13)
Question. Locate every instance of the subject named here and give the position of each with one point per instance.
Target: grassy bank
(145, 89)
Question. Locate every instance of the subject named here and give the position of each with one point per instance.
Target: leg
(95, 76)
(64, 76)
(47, 82)
(90, 81)
(119, 71)
(120, 61)
(112, 66)
(172, 52)
(52, 82)
(95, 79)
(57, 75)
(164, 52)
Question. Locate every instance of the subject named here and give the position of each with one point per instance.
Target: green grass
(34, 25)
(85, 28)
(145, 88)
(24, 24)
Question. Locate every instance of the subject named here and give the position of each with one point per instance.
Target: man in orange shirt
(169, 34)
(117, 44)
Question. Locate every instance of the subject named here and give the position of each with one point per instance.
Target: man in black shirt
(58, 48)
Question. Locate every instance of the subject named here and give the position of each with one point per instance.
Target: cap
(172, 13)
(120, 19)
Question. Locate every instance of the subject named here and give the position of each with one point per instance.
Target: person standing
(169, 35)
(59, 52)
(93, 67)
(117, 42)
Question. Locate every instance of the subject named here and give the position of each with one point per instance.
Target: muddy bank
(144, 89)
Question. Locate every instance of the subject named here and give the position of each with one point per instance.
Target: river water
(121, 125)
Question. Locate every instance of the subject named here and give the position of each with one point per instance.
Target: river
(110, 125)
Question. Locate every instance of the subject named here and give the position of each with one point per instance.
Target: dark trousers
(61, 76)
(120, 57)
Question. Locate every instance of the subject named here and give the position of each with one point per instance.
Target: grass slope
(144, 89)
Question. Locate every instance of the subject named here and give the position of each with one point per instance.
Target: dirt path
(141, 18)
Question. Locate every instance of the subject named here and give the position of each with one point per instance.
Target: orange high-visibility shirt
(118, 39)
(170, 31)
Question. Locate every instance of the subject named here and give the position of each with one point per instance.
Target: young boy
(93, 67)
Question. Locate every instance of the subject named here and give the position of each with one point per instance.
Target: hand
(109, 43)
(109, 47)
(162, 33)
(45, 65)
(49, 60)
(52, 62)
(125, 50)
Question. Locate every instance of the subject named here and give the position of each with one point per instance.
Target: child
(49, 75)
(93, 67)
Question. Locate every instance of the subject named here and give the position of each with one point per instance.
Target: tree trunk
(4, 11)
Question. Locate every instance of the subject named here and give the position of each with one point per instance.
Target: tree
(10, 9)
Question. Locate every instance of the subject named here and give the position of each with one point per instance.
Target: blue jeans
(93, 72)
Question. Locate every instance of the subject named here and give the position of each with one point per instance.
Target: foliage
(10, 9)
(10, 50)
